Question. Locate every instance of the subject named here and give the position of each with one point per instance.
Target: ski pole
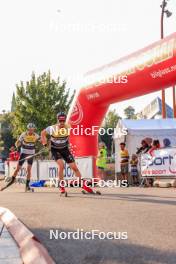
(34, 155)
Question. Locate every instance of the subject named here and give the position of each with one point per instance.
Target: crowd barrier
(161, 164)
(48, 169)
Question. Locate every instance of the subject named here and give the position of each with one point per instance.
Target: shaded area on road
(141, 198)
(101, 251)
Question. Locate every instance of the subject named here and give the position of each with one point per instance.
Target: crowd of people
(130, 165)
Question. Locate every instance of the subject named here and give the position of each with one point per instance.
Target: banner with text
(48, 169)
(11, 167)
(161, 163)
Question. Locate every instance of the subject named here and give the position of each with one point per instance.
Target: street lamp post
(162, 36)
(168, 14)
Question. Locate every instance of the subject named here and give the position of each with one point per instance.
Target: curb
(31, 250)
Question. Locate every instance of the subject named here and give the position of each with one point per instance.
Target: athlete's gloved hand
(45, 145)
(45, 149)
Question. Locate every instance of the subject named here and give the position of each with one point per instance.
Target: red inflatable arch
(150, 69)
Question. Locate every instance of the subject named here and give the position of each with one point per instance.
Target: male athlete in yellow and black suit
(59, 137)
(26, 142)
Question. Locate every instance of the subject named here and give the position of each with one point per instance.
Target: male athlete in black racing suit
(59, 137)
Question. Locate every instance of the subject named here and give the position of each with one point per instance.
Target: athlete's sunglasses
(61, 120)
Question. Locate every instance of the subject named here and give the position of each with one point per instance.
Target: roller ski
(63, 192)
(88, 190)
(93, 192)
(12, 181)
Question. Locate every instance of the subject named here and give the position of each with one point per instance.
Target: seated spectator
(166, 143)
(134, 169)
(155, 146)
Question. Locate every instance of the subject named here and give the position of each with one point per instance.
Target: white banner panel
(49, 169)
(6, 169)
(23, 172)
(162, 163)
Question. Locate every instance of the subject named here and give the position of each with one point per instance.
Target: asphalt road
(148, 215)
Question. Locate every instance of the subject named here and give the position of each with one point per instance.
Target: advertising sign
(23, 172)
(49, 169)
(161, 163)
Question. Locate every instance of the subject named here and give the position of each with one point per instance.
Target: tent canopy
(144, 126)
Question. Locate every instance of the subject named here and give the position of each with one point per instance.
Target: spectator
(13, 155)
(166, 143)
(155, 146)
(145, 146)
(134, 169)
(101, 161)
(124, 163)
(148, 141)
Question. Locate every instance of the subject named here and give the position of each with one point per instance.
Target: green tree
(13, 103)
(110, 121)
(130, 112)
(7, 140)
(38, 101)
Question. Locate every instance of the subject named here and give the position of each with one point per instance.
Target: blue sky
(72, 37)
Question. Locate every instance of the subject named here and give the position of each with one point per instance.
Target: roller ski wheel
(97, 193)
(65, 194)
(94, 193)
(28, 189)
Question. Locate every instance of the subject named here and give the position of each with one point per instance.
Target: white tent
(140, 129)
